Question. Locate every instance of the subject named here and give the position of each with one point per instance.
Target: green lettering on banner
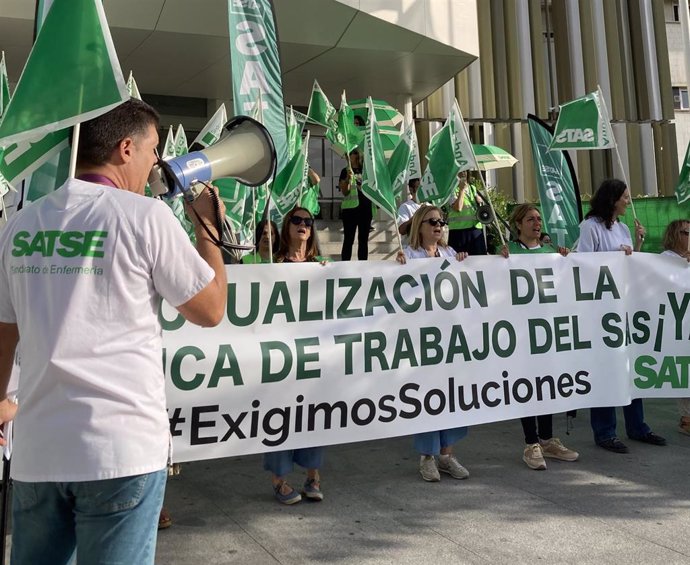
(303, 358)
(409, 307)
(374, 347)
(404, 350)
(225, 353)
(233, 317)
(279, 303)
(281, 348)
(672, 371)
(377, 298)
(347, 340)
(176, 368)
(304, 314)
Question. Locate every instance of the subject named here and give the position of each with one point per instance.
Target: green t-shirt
(515, 248)
(251, 259)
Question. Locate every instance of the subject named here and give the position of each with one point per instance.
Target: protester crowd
(91, 454)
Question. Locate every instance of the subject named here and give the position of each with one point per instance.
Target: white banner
(318, 355)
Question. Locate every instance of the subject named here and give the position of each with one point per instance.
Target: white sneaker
(554, 449)
(428, 469)
(534, 457)
(449, 464)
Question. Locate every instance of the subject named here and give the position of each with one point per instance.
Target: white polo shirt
(83, 271)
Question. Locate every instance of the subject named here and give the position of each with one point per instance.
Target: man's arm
(207, 308)
(9, 337)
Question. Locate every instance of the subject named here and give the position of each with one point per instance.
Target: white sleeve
(7, 313)
(588, 240)
(179, 273)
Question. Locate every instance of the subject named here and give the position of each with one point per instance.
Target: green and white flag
(168, 151)
(72, 74)
(450, 152)
(294, 133)
(233, 194)
(556, 184)
(321, 111)
(212, 131)
(583, 124)
(181, 147)
(376, 181)
(401, 165)
(346, 136)
(683, 186)
(256, 71)
(310, 197)
(4, 86)
(289, 183)
(132, 87)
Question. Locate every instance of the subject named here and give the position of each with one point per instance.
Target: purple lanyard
(97, 179)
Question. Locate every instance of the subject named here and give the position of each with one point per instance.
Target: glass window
(680, 98)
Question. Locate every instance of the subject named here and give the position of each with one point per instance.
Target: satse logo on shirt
(64, 243)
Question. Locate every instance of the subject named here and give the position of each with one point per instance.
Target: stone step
(383, 242)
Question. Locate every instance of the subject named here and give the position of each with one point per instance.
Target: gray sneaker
(449, 464)
(428, 469)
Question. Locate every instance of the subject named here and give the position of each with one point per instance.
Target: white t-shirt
(421, 253)
(82, 272)
(406, 211)
(595, 237)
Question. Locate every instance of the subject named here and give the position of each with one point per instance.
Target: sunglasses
(435, 222)
(299, 220)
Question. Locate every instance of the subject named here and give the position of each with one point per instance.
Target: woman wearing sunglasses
(676, 245)
(428, 239)
(525, 224)
(297, 245)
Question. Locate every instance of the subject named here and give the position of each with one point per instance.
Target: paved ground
(605, 508)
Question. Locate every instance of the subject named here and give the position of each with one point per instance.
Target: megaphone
(245, 152)
(485, 214)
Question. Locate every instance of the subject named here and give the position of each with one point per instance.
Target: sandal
(164, 519)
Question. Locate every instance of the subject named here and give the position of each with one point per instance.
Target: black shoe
(613, 444)
(651, 438)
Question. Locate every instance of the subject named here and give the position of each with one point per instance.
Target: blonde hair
(518, 214)
(417, 221)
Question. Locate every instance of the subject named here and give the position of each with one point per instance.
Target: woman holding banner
(525, 223)
(297, 245)
(602, 230)
(427, 239)
(676, 245)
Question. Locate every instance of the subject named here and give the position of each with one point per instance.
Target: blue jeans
(431, 443)
(604, 421)
(280, 463)
(109, 522)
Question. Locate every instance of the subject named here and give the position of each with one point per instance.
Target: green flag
(212, 131)
(181, 147)
(288, 184)
(376, 181)
(310, 197)
(132, 87)
(683, 186)
(583, 124)
(4, 86)
(450, 152)
(346, 136)
(72, 74)
(255, 65)
(321, 111)
(233, 194)
(399, 163)
(556, 184)
(168, 151)
(294, 133)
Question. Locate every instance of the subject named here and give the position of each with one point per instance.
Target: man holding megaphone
(82, 273)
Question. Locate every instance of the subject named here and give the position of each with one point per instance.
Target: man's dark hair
(99, 137)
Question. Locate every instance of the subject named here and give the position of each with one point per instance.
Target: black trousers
(356, 221)
(537, 427)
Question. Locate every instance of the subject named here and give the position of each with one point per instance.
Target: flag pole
(75, 149)
(615, 146)
(481, 179)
